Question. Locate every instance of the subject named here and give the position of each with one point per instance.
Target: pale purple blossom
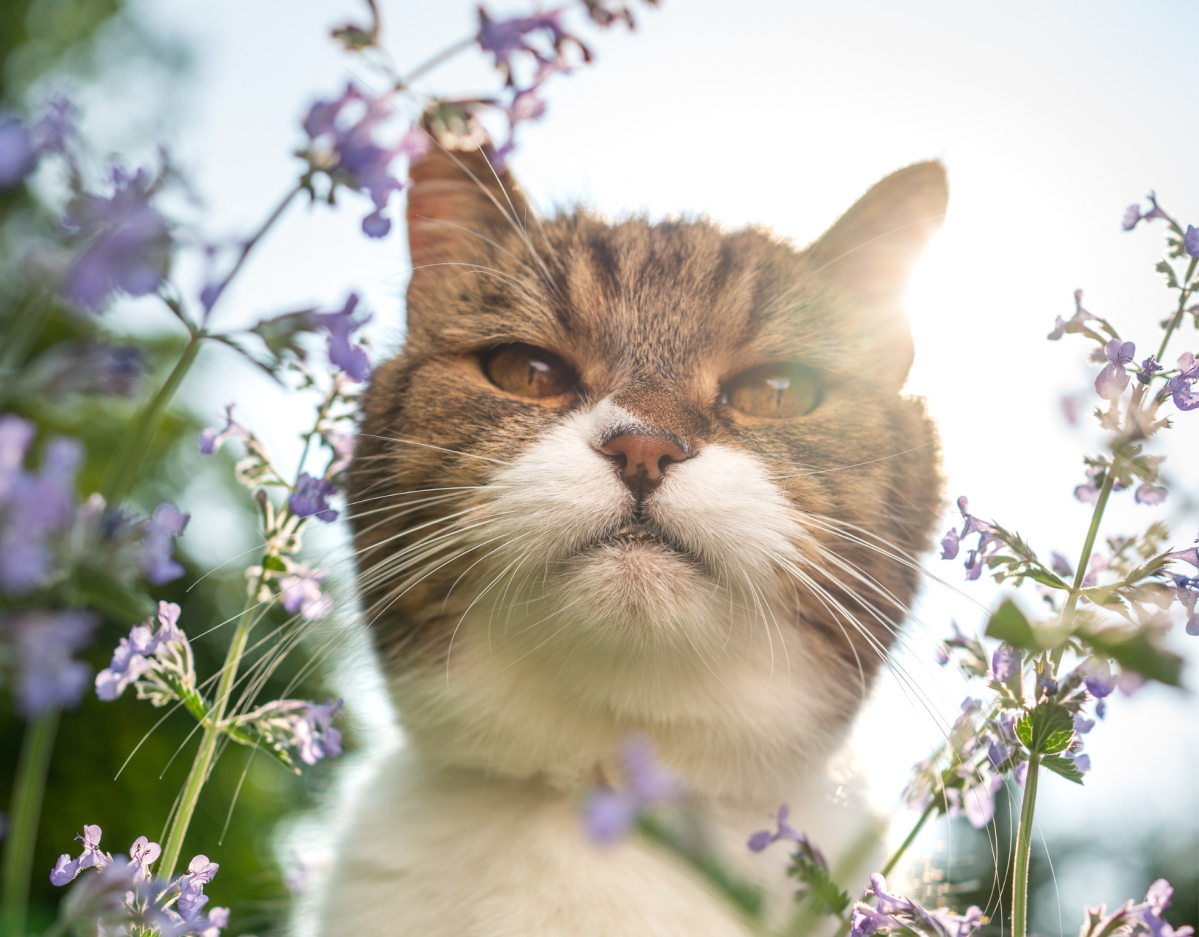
(48, 675)
(200, 871)
(1005, 662)
(1089, 493)
(1098, 676)
(343, 353)
(988, 543)
(301, 592)
(158, 540)
(1134, 216)
(903, 915)
(1148, 493)
(131, 659)
(1190, 241)
(128, 243)
(17, 153)
(976, 799)
(505, 38)
(67, 868)
(1113, 378)
(1181, 385)
(343, 452)
(310, 499)
(783, 830)
(143, 854)
(609, 814)
(1149, 367)
(1186, 590)
(211, 438)
(1075, 323)
(313, 734)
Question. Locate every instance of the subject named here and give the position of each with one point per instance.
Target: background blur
(1051, 119)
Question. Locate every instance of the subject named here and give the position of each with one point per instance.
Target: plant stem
(30, 322)
(202, 764)
(36, 748)
(903, 847)
(127, 460)
(1024, 849)
(1176, 320)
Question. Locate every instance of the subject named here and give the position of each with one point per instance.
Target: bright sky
(1051, 118)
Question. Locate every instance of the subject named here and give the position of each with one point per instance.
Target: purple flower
(896, 914)
(211, 439)
(1046, 683)
(1113, 378)
(1060, 564)
(1005, 663)
(950, 544)
(1083, 725)
(1089, 493)
(608, 814)
(158, 541)
(47, 673)
(507, 37)
(1190, 241)
(988, 543)
(1186, 590)
(976, 799)
(129, 243)
(340, 325)
(131, 659)
(1180, 385)
(1076, 323)
(301, 592)
(1098, 676)
(1189, 555)
(200, 871)
(343, 452)
(17, 153)
(764, 838)
(1149, 367)
(67, 868)
(1150, 494)
(310, 498)
(1134, 216)
(143, 854)
(313, 734)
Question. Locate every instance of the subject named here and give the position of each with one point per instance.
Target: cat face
(617, 443)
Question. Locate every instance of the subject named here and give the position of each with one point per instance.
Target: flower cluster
(895, 915)
(988, 542)
(1143, 918)
(158, 663)
(44, 644)
(301, 725)
(23, 144)
(123, 892)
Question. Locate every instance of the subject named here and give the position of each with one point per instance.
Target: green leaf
(274, 564)
(1171, 279)
(1046, 578)
(820, 884)
(1009, 624)
(1046, 730)
(1063, 766)
(1138, 653)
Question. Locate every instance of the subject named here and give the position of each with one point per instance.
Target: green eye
(774, 391)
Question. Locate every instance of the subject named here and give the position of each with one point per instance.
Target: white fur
(565, 643)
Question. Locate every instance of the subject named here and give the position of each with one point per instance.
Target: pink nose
(645, 457)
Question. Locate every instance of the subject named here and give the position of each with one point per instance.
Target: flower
(211, 439)
(67, 868)
(1005, 662)
(342, 445)
(1098, 676)
(505, 38)
(166, 524)
(1180, 385)
(301, 592)
(764, 838)
(988, 543)
(131, 660)
(128, 242)
(1149, 367)
(310, 498)
(1186, 590)
(143, 854)
(17, 154)
(1089, 493)
(905, 915)
(1076, 323)
(976, 799)
(350, 358)
(48, 674)
(608, 814)
(200, 871)
(313, 734)
(1133, 214)
(1190, 241)
(1149, 493)
(1113, 378)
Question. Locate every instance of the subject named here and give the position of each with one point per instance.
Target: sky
(1050, 118)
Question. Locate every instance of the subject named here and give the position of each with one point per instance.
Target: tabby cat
(626, 478)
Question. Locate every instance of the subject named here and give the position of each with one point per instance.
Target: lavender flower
(784, 830)
(350, 358)
(301, 592)
(988, 543)
(1136, 918)
(132, 658)
(1134, 216)
(609, 814)
(1113, 378)
(305, 726)
(1005, 663)
(17, 153)
(129, 243)
(1186, 590)
(1190, 241)
(976, 799)
(343, 452)
(158, 541)
(1185, 397)
(310, 499)
(1149, 367)
(1098, 676)
(904, 916)
(506, 38)
(211, 439)
(1089, 492)
(1148, 493)
(47, 673)
(143, 854)
(200, 871)
(67, 868)
(1076, 323)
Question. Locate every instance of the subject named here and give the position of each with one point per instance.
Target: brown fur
(657, 315)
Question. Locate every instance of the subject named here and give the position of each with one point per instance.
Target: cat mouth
(634, 533)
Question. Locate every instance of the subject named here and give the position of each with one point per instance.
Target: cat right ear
(458, 203)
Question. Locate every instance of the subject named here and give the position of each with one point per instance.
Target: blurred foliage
(39, 40)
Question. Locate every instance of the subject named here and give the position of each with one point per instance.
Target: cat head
(610, 452)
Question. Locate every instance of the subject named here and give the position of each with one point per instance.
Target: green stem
(213, 730)
(1176, 320)
(1024, 850)
(1089, 545)
(903, 847)
(31, 321)
(36, 748)
(127, 460)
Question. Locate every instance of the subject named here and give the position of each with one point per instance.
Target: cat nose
(642, 459)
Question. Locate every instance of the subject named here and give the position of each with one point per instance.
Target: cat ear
(868, 256)
(457, 202)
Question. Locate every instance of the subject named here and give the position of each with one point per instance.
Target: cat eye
(774, 391)
(528, 371)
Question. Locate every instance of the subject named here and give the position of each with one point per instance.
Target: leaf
(1063, 766)
(820, 884)
(1138, 653)
(1171, 279)
(1046, 730)
(1009, 624)
(274, 564)
(1046, 578)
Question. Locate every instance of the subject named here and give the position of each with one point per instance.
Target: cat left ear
(457, 202)
(868, 256)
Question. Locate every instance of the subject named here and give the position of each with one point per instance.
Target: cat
(628, 478)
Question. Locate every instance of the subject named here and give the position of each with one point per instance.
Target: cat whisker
(425, 445)
(841, 468)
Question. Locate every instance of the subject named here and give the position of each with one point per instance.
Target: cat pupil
(780, 384)
(535, 368)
